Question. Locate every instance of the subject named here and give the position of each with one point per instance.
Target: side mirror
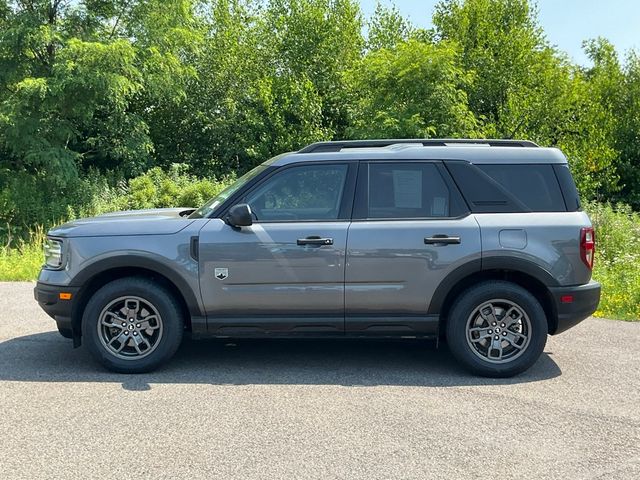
(240, 216)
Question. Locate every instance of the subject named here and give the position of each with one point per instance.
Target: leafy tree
(411, 91)
(387, 28)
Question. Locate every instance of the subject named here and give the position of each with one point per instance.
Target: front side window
(407, 190)
(309, 192)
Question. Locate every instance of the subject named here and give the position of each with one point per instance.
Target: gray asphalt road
(312, 410)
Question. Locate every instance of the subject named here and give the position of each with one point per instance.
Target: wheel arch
(98, 274)
(532, 278)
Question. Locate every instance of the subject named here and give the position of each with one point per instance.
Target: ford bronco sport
(480, 241)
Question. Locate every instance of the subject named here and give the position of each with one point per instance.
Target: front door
(285, 273)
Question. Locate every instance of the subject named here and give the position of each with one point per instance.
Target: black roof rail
(336, 146)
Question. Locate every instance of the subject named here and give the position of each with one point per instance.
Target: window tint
(407, 190)
(568, 187)
(536, 186)
(311, 192)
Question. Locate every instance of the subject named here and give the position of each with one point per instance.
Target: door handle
(441, 240)
(315, 240)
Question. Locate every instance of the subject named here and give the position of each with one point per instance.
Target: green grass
(22, 263)
(617, 264)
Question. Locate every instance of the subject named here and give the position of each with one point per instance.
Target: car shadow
(47, 357)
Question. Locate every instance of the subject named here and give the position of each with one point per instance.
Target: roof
(474, 151)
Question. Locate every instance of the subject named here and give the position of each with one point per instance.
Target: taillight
(587, 246)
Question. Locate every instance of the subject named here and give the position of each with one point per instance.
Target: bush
(27, 201)
(173, 188)
(617, 262)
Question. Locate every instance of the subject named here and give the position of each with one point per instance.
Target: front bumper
(48, 296)
(584, 301)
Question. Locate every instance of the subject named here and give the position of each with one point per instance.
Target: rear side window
(568, 187)
(409, 190)
(534, 185)
(510, 188)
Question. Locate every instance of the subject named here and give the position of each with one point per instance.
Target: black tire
(65, 332)
(470, 348)
(153, 295)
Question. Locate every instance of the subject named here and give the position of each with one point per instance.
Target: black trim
(336, 146)
(135, 261)
(449, 282)
(48, 297)
(278, 325)
(585, 302)
(194, 248)
(519, 265)
(392, 325)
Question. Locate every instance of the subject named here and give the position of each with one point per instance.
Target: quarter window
(536, 186)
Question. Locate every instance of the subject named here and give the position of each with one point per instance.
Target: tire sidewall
(160, 298)
(474, 297)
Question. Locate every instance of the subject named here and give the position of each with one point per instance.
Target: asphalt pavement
(315, 409)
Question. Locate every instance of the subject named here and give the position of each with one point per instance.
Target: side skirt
(353, 326)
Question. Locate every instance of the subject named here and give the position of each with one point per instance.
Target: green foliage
(158, 188)
(411, 91)
(24, 262)
(617, 264)
(387, 28)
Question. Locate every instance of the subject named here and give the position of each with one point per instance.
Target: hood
(155, 221)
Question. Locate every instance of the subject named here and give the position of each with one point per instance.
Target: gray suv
(482, 242)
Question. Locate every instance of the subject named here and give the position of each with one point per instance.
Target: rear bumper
(48, 297)
(584, 301)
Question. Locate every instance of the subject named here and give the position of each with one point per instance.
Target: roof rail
(336, 146)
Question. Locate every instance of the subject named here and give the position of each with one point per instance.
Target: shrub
(617, 262)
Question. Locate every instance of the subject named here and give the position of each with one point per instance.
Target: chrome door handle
(442, 240)
(315, 240)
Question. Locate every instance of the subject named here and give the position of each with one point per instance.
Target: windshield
(215, 202)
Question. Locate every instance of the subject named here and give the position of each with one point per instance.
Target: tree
(414, 90)
(387, 28)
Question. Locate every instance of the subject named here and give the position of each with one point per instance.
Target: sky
(566, 22)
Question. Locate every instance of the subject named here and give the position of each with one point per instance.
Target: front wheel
(132, 325)
(497, 329)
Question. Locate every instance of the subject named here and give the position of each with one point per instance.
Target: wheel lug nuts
(497, 337)
(503, 325)
(135, 333)
(126, 333)
(124, 324)
(490, 331)
(494, 324)
(504, 334)
(137, 325)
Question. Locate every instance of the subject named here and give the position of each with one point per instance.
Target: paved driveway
(311, 410)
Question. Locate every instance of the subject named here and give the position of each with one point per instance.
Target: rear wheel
(497, 329)
(132, 325)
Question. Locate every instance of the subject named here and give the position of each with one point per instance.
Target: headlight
(53, 253)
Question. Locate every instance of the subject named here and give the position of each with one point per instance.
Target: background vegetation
(113, 104)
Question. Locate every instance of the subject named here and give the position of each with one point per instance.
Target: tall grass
(617, 261)
(22, 263)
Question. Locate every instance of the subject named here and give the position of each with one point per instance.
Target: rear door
(285, 273)
(410, 230)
